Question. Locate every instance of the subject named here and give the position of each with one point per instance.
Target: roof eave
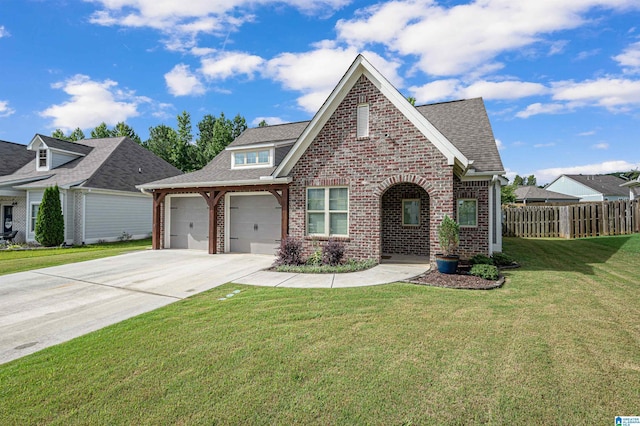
(264, 180)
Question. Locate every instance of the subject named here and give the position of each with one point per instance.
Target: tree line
(176, 146)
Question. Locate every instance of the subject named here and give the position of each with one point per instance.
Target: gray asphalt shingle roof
(13, 156)
(605, 184)
(533, 193)
(465, 123)
(78, 147)
(110, 163)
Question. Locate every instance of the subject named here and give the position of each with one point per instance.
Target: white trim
(84, 216)
(257, 164)
(248, 182)
(361, 66)
(29, 218)
(473, 176)
(270, 144)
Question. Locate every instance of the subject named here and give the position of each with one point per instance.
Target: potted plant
(449, 238)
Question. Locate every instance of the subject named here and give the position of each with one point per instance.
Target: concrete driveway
(48, 306)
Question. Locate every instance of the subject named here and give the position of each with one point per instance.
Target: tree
(76, 135)
(101, 131)
(49, 221)
(518, 181)
(507, 194)
(239, 126)
(263, 123)
(59, 134)
(412, 100)
(162, 140)
(123, 129)
(182, 152)
(531, 181)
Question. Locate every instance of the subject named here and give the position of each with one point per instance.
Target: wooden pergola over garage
(212, 196)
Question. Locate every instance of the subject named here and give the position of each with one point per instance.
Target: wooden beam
(213, 226)
(284, 204)
(158, 198)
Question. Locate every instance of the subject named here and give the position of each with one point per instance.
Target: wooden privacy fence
(572, 221)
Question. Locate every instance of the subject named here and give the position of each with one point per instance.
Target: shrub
(448, 235)
(501, 259)
(481, 259)
(315, 259)
(125, 236)
(332, 253)
(488, 272)
(290, 252)
(49, 222)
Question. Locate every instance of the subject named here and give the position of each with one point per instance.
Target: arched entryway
(405, 222)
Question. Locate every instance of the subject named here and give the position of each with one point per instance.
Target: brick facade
(395, 152)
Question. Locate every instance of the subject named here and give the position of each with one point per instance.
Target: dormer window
(253, 158)
(42, 159)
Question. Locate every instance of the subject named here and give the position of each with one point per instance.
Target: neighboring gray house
(590, 187)
(634, 188)
(13, 156)
(534, 195)
(97, 179)
(370, 170)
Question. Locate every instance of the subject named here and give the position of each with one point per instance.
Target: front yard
(24, 260)
(558, 344)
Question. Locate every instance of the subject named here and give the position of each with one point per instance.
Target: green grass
(558, 344)
(24, 260)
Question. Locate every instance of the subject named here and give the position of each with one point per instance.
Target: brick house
(369, 169)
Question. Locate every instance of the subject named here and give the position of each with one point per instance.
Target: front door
(7, 219)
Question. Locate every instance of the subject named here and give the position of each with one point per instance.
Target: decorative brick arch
(393, 180)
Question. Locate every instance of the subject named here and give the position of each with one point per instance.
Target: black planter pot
(447, 264)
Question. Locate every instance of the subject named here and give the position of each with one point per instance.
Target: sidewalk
(380, 274)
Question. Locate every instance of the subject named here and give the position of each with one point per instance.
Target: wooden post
(156, 237)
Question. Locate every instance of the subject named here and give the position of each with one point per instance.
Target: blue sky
(560, 79)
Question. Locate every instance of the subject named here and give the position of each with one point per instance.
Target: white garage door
(189, 223)
(255, 223)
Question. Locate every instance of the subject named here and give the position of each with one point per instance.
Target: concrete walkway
(381, 274)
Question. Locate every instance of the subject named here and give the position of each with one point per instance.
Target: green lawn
(24, 260)
(558, 344)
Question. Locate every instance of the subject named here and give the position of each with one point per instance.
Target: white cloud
(629, 59)
(226, 64)
(547, 175)
(458, 39)
(271, 121)
(316, 73)
(183, 22)
(181, 81)
(610, 93)
(92, 102)
(500, 145)
(602, 145)
(4, 32)
(587, 133)
(489, 90)
(5, 110)
(544, 145)
(539, 108)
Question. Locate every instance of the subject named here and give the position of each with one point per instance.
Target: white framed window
(411, 212)
(362, 123)
(468, 212)
(248, 159)
(42, 159)
(33, 216)
(328, 211)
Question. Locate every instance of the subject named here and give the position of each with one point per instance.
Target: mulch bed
(459, 281)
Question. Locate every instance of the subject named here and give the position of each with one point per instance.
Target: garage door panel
(189, 223)
(255, 224)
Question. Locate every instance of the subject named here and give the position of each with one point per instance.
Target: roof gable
(602, 184)
(358, 68)
(60, 145)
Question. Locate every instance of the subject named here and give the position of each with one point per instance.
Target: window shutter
(363, 121)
